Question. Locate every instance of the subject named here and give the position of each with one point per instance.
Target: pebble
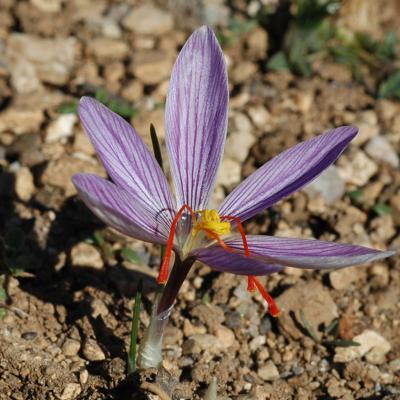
(257, 42)
(53, 59)
(329, 185)
(341, 279)
(147, 19)
(98, 308)
(71, 391)
(229, 173)
(268, 372)
(106, 49)
(24, 184)
(61, 128)
(260, 117)
(368, 128)
(151, 67)
(225, 335)
(85, 255)
(92, 351)
(47, 6)
(313, 300)
(202, 342)
(372, 345)
(71, 347)
(243, 71)
(357, 168)
(238, 145)
(380, 149)
(20, 120)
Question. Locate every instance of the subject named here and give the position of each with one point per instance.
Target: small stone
(24, 185)
(98, 308)
(86, 255)
(225, 335)
(372, 345)
(172, 335)
(380, 149)
(59, 172)
(394, 365)
(357, 168)
(47, 6)
(243, 71)
(342, 278)
(260, 116)
(229, 173)
(71, 347)
(202, 342)
(71, 391)
(83, 376)
(83, 144)
(20, 120)
(61, 128)
(92, 351)
(257, 42)
(313, 301)
(53, 59)
(151, 67)
(368, 128)
(148, 20)
(238, 145)
(133, 91)
(106, 49)
(329, 185)
(268, 372)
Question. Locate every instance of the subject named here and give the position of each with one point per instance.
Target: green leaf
(345, 343)
(70, 107)
(355, 195)
(131, 255)
(390, 88)
(278, 62)
(3, 313)
(3, 295)
(382, 209)
(307, 326)
(135, 329)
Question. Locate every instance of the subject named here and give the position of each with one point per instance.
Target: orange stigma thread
(272, 307)
(241, 231)
(164, 269)
(251, 286)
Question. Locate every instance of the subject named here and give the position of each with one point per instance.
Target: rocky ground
(68, 282)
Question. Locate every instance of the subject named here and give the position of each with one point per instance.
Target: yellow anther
(210, 221)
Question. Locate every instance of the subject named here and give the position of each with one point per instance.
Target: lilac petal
(286, 173)
(196, 117)
(306, 253)
(236, 263)
(120, 210)
(125, 157)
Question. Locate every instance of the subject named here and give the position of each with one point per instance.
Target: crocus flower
(138, 201)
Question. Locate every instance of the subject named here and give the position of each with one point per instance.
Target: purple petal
(196, 117)
(286, 173)
(125, 157)
(120, 210)
(236, 263)
(306, 253)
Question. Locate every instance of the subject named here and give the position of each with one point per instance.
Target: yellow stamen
(210, 221)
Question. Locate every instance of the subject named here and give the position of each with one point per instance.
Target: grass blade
(135, 329)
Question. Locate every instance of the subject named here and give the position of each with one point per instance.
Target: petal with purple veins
(306, 253)
(196, 118)
(234, 262)
(120, 209)
(125, 157)
(286, 173)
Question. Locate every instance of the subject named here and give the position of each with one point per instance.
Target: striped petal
(235, 263)
(126, 158)
(305, 253)
(121, 210)
(196, 118)
(286, 173)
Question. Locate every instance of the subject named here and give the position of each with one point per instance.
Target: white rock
(238, 145)
(268, 372)
(357, 168)
(225, 335)
(380, 149)
(24, 78)
(372, 345)
(329, 185)
(71, 347)
(92, 351)
(229, 173)
(148, 20)
(47, 6)
(86, 255)
(20, 120)
(260, 116)
(342, 278)
(62, 127)
(71, 391)
(368, 128)
(53, 59)
(24, 185)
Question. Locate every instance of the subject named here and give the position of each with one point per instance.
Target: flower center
(213, 225)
